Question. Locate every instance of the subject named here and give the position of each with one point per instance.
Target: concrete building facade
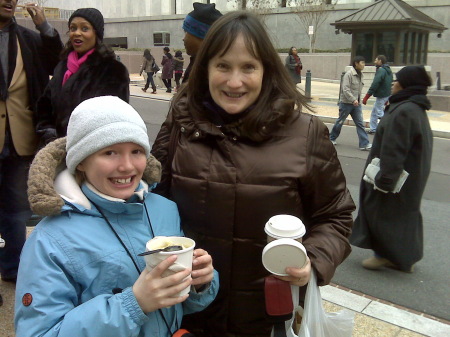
(138, 20)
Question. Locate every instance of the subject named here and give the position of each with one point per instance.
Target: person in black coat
(389, 222)
(27, 58)
(88, 69)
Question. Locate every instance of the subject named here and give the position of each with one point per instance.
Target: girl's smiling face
(115, 170)
(235, 78)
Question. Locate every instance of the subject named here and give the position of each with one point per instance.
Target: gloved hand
(366, 98)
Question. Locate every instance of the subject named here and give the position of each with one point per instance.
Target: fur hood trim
(49, 162)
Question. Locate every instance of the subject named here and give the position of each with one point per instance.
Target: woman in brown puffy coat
(236, 150)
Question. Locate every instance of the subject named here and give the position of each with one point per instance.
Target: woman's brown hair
(276, 83)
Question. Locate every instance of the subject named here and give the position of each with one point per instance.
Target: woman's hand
(298, 276)
(152, 291)
(202, 268)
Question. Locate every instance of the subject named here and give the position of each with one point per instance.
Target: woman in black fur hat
(389, 220)
(88, 69)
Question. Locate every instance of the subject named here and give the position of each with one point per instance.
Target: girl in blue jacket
(80, 273)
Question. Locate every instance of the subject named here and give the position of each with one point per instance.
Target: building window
(403, 49)
(364, 45)
(385, 44)
(412, 47)
(161, 39)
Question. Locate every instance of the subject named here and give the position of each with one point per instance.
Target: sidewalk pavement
(374, 317)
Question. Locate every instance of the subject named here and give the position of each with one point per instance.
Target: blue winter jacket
(71, 263)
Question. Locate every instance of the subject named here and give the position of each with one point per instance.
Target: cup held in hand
(183, 261)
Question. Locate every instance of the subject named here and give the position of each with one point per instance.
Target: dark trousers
(14, 207)
(168, 84)
(178, 78)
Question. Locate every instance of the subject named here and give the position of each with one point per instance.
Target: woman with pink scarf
(88, 69)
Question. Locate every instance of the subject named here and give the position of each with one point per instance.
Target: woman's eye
(249, 67)
(138, 151)
(222, 66)
(109, 153)
(85, 29)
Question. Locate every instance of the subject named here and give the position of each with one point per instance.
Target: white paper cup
(282, 253)
(183, 261)
(284, 226)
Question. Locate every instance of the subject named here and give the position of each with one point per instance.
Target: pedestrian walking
(178, 62)
(80, 267)
(350, 103)
(389, 220)
(195, 26)
(27, 58)
(294, 65)
(148, 66)
(167, 71)
(381, 90)
(238, 151)
(88, 68)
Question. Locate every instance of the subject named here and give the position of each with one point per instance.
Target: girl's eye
(109, 153)
(138, 151)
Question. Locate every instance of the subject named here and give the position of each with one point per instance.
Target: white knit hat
(100, 122)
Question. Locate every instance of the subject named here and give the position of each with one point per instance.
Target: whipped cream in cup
(184, 260)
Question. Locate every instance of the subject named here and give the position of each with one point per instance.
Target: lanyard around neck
(131, 256)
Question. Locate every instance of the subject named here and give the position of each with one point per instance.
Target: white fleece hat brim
(100, 122)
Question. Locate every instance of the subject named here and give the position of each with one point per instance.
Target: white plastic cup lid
(285, 226)
(280, 254)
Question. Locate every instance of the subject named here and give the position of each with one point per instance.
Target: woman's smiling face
(235, 78)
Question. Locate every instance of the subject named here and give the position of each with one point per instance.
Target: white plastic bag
(316, 322)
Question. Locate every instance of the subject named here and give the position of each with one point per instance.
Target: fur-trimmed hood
(45, 190)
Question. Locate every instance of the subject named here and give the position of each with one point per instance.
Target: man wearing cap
(196, 25)
(26, 60)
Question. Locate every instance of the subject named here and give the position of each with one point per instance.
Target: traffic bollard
(308, 85)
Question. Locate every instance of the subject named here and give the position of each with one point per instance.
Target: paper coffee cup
(283, 253)
(184, 259)
(284, 226)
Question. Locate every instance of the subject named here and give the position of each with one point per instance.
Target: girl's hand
(298, 276)
(202, 268)
(152, 291)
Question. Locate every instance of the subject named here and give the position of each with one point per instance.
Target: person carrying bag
(316, 322)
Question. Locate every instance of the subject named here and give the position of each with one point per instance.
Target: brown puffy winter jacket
(227, 187)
